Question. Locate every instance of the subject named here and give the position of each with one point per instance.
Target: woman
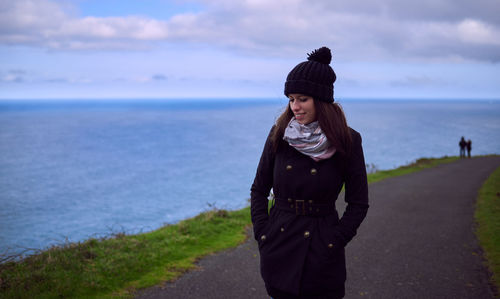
(309, 155)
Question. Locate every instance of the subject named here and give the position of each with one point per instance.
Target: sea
(71, 170)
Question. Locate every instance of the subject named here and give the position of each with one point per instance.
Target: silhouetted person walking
(462, 145)
(469, 147)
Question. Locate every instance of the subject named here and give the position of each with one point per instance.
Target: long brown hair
(331, 119)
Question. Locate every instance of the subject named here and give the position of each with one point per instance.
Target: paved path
(417, 242)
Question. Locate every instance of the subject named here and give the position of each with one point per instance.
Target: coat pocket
(330, 242)
(264, 235)
(270, 230)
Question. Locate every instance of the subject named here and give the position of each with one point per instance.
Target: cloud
(419, 82)
(355, 29)
(44, 23)
(13, 76)
(478, 32)
(57, 80)
(37, 77)
(159, 77)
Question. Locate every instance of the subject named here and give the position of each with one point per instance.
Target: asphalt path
(417, 241)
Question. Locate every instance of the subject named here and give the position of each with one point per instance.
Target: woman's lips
(299, 116)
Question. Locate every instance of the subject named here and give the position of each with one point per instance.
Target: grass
(407, 169)
(115, 267)
(488, 224)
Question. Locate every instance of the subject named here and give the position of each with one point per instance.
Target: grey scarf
(308, 139)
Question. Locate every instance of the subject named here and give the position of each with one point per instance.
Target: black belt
(305, 207)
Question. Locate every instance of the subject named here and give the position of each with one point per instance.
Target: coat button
(290, 200)
(310, 201)
(289, 167)
(306, 234)
(330, 245)
(310, 209)
(291, 206)
(314, 171)
(263, 237)
(282, 229)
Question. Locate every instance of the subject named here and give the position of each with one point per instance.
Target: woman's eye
(304, 99)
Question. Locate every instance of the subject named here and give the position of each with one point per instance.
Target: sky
(105, 49)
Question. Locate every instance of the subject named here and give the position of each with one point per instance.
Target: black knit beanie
(313, 77)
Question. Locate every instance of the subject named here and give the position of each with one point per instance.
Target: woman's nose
(295, 106)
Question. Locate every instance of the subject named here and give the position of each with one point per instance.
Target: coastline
(119, 168)
(374, 175)
(115, 265)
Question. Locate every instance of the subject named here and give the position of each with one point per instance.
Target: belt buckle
(297, 201)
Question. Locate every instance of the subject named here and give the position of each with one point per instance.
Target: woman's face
(302, 107)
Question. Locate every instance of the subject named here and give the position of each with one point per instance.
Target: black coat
(302, 253)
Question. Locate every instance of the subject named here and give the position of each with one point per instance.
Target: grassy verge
(488, 219)
(413, 167)
(115, 267)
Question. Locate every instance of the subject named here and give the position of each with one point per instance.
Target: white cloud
(387, 29)
(475, 31)
(111, 28)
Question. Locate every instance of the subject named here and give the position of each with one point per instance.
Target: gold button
(310, 209)
(282, 229)
(291, 206)
(330, 245)
(317, 210)
(290, 200)
(289, 167)
(314, 171)
(263, 237)
(310, 201)
(306, 234)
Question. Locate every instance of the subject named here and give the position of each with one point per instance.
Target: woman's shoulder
(355, 135)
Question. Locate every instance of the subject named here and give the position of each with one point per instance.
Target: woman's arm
(261, 187)
(356, 193)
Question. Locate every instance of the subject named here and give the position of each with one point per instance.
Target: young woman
(309, 155)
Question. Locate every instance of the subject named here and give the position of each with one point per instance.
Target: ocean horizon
(71, 170)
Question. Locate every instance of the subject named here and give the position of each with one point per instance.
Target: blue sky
(74, 49)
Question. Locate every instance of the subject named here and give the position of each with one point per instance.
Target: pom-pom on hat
(313, 77)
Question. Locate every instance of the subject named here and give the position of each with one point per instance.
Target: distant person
(469, 147)
(308, 156)
(462, 145)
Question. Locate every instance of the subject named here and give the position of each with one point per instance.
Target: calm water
(84, 169)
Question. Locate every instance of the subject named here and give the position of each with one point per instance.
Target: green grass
(413, 167)
(117, 266)
(488, 224)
